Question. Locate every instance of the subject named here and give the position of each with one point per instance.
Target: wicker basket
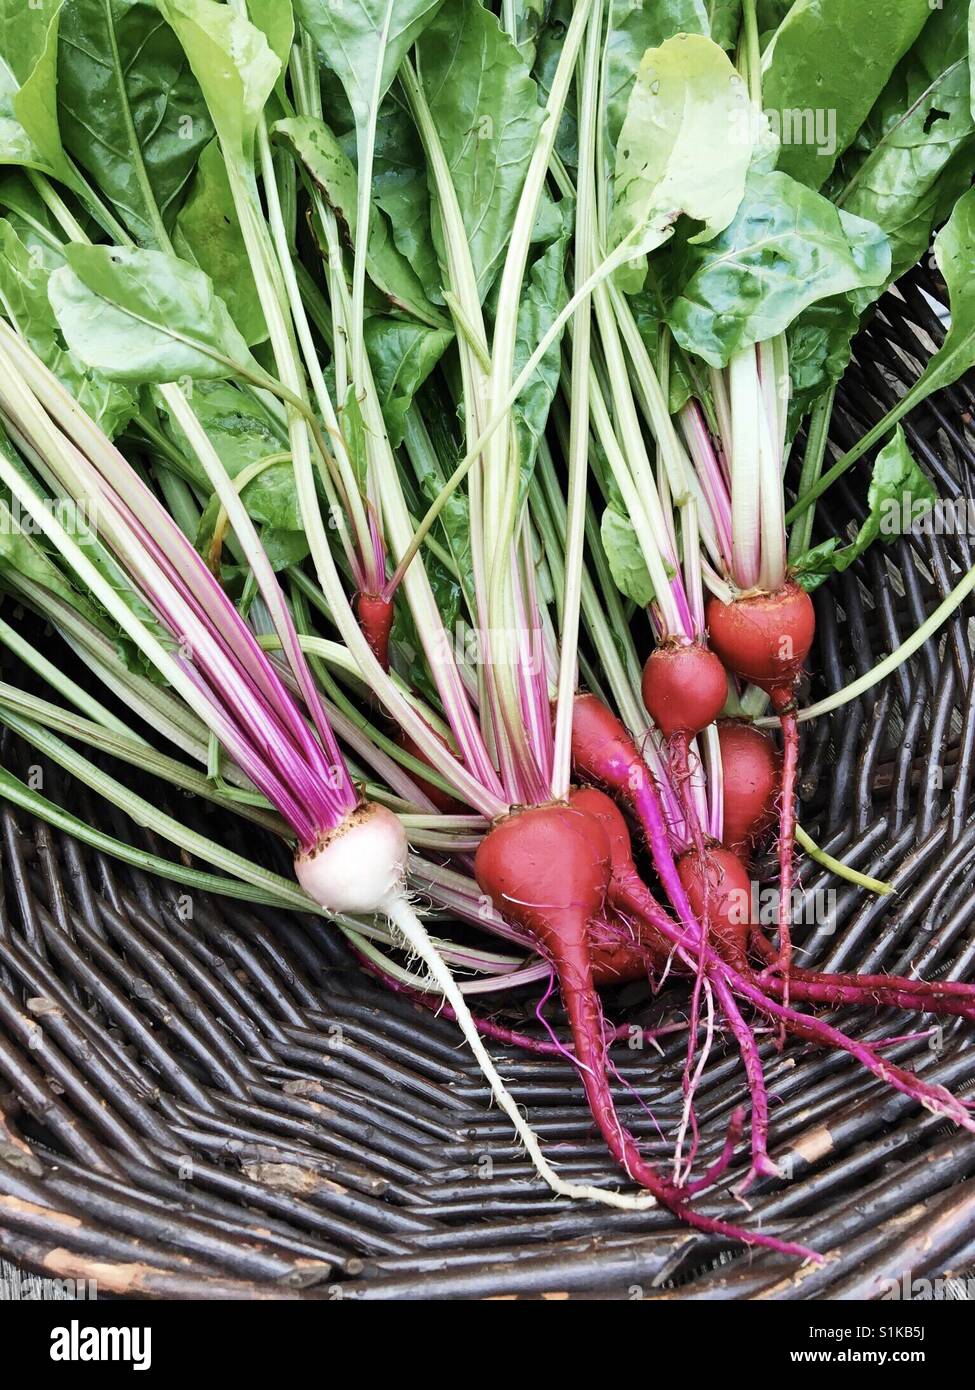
(226, 1106)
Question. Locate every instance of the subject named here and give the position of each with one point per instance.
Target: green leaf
(770, 14)
(484, 103)
(543, 299)
(724, 17)
(685, 147)
(625, 557)
(143, 316)
(548, 50)
(898, 496)
(819, 349)
(399, 187)
(329, 166)
(354, 434)
(365, 42)
(29, 133)
(208, 234)
(234, 65)
(529, 22)
(276, 21)
(954, 251)
(787, 248)
(131, 111)
(402, 356)
(914, 156)
(24, 278)
(825, 67)
(645, 309)
(22, 556)
(245, 438)
(633, 27)
(242, 434)
(29, 216)
(910, 163)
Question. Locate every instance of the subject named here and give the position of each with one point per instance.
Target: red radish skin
(548, 869)
(685, 687)
(751, 779)
(375, 615)
(723, 879)
(765, 639)
(684, 690)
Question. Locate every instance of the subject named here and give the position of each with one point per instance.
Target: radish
(765, 638)
(603, 752)
(685, 687)
(548, 868)
(375, 615)
(360, 867)
(684, 690)
(720, 879)
(750, 773)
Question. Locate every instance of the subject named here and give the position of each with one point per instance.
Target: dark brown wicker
(227, 1107)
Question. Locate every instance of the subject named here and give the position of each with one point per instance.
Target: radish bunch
(485, 443)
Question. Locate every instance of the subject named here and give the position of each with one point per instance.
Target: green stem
(753, 51)
(874, 436)
(817, 437)
(841, 870)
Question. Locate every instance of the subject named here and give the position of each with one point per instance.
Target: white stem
(745, 452)
(575, 536)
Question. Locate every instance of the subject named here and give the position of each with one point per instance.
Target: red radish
(548, 869)
(684, 690)
(609, 949)
(685, 687)
(765, 639)
(375, 615)
(604, 752)
(720, 878)
(750, 773)
(614, 960)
